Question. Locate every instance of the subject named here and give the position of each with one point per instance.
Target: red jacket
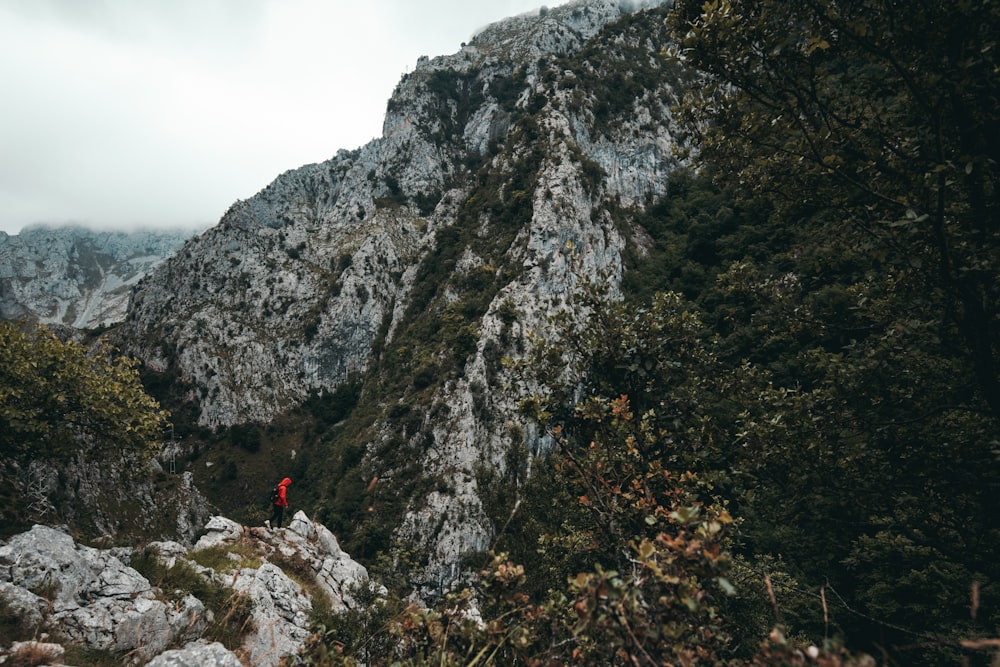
(282, 492)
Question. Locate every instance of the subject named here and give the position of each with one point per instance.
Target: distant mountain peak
(76, 276)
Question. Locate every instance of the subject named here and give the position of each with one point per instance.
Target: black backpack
(274, 494)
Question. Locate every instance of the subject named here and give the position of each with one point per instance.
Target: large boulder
(197, 654)
(219, 531)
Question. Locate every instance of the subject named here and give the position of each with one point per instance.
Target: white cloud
(120, 113)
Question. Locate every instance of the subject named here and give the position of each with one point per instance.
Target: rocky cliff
(506, 173)
(75, 276)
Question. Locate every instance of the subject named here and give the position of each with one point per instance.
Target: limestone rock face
(197, 654)
(90, 597)
(77, 277)
(298, 279)
(293, 289)
(497, 190)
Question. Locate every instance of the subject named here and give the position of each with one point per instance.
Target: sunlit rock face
(510, 164)
(77, 277)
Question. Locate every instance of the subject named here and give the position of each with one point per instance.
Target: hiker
(279, 501)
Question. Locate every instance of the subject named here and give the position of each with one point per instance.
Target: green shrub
(13, 627)
(220, 559)
(355, 636)
(231, 610)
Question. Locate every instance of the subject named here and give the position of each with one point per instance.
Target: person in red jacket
(279, 504)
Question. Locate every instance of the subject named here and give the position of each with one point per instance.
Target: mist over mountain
(75, 276)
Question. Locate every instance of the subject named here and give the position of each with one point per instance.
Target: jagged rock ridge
(504, 175)
(75, 276)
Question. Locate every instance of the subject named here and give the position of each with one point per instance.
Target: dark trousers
(276, 515)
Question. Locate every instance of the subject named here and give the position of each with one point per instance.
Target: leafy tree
(872, 130)
(56, 400)
(885, 115)
(644, 412)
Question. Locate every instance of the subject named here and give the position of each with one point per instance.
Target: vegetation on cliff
(793, 418)
(59, 400)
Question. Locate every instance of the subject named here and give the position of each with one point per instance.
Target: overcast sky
(121, 113)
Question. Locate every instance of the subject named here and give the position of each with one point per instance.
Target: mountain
(75, 276)
(387, 284)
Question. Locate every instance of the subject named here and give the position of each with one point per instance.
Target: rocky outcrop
(90, 597)
(197, 654)
(93, 598)
(281, 606)
(75, 276)
(303, 541)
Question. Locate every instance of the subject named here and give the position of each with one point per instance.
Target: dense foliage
(870, 131)
(64, 406)
(58, 400)
(871, 118)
